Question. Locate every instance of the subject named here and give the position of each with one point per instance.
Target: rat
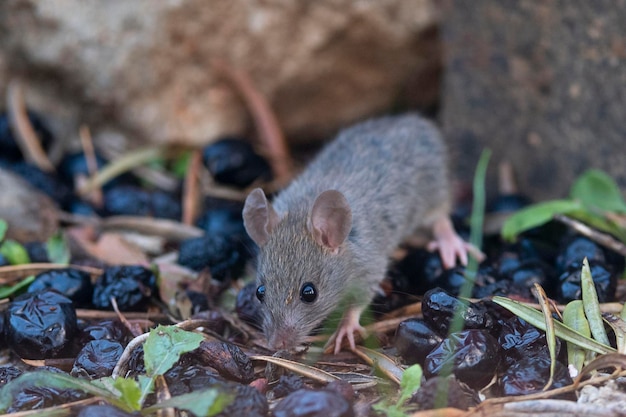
(325, 241)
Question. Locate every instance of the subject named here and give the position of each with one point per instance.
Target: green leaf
(130, 392)
(411, 382)
(536, 215)
(164, 346)
(591, 305)
(53, 380)
(180, 164)
(574, 317)
(14, 252)
(536, 319)
(9, 290)
(595, 188)
(203, 403)
(3, 229)
(58, 251)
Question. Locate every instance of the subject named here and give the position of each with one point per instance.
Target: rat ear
(259, 217)
(331, 219)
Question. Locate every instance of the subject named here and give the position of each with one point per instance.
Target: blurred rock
(145, 66)
(541, 84)
(31, 215)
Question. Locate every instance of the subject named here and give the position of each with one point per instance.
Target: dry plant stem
(191, 189)
(544, 394)
(598, 237)
(506, 179)
(92, 163)
(123, 164)
(266, 122)
(87, 314)
(132, 329)
(168, 229)
(121, 366)
(20, 124)
(10, 274)
(440, 412)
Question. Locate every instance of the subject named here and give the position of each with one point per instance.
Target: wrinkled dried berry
(421, 268)
(225, 257)
(287, 384)
(37, 252)
(471, 355)
(46, 182)
(227, 359)
(131, 286)
(248, 306)
(575, 250)
(225, 221)
(112, 330)
(531, 374)
(440, 307)
(102, 411)
(308, 403)
(519, 339)
(40, 325)
(232, 161)
(74, 166)
(97, 359)
(569, 284)
(8, 374)
(134, 201)
(414, 340)
(74, 284)
(457, 394)
(9, 149)
(183, 378)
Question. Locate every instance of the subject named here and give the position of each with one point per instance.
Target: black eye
(308, 293)
(260, 292)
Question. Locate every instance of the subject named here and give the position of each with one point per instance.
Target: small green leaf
(411, 381)
(595, 188)
(130, 392)
(9, 290)
(205, 403)
(180, 164)
(3, 229)
(591, 305)
(542, 298)
(574, 317)
(536, 215)
(58, 251)
(164, 346)
(536, 319)
(14, 252)
(54, 380)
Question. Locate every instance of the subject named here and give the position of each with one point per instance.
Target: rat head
(303, 263)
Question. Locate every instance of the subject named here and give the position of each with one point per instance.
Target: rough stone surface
(30, 215)
(144, 66)
(540, 83)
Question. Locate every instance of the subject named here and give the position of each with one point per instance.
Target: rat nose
(282, 339)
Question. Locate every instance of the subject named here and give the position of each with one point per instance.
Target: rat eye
(260, 292)
(308, 293)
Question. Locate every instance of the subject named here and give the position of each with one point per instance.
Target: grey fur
(392, 171)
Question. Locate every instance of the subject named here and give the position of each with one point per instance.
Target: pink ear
(331, 219)
(259, 217)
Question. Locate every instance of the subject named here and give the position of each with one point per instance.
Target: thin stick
(598, 237)
(191, 188)
(86, 142)
(266, 122)
(21, 126)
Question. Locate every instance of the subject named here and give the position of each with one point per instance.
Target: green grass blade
(574, 317)
(566, 333)
(591, 305)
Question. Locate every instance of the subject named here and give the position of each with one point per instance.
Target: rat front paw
(349, 325)
(450, 245)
